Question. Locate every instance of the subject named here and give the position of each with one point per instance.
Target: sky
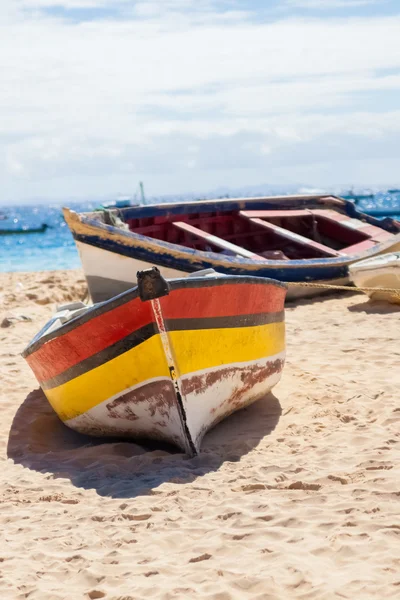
(196, 95)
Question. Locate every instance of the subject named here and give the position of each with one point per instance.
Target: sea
(55, 248)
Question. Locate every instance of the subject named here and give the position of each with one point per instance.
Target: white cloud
(67, 4)
(92, 106)
(329, 4)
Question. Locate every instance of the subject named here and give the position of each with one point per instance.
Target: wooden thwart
(269, 214)
(360, 247)
(290, 235)
(216, 241)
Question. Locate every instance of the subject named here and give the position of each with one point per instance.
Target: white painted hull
(379, 272)
(109, 274)
(298, 291)
(204, 406)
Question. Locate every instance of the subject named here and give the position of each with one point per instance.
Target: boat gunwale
(292, 201)
(104, 307)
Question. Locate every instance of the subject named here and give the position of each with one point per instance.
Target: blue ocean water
(55, 249)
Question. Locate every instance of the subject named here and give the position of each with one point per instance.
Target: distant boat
(125, 201)
(382, 212)
(351, 195)
(21, 230)
(311, 239)
(166, 360)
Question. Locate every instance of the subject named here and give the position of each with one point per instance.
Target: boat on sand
(379, 272)
(165, 360)
(311, 239)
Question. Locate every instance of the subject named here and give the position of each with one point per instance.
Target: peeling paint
(159, 396)
(249, 376)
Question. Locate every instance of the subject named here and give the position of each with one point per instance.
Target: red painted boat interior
(274, 234)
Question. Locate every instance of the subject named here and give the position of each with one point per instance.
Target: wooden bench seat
(332, 215)
(372, 231)
(290, 235)
(269, 214)
(357, 248)
(216, 241)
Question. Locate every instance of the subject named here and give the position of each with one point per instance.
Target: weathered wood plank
(216, 241)
(293, 237)
(269, 214)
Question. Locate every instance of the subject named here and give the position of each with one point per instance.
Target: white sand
(297, 496)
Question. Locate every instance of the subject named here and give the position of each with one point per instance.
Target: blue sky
(193, 95)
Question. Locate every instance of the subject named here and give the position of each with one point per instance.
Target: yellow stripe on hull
(194, 350)
(135, 366)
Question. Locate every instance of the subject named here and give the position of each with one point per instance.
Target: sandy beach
(296, 496)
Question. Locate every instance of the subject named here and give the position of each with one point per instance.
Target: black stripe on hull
(113, 351)
(224, 322)
(146, 332)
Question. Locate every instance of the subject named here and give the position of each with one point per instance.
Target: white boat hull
(379, 272)
(109, 274)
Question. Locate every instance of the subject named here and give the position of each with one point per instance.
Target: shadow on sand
(367, 306)
(375, 307)
(39, 441)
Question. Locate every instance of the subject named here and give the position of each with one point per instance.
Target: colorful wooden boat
(379, 272)
(165, 360)
(292, 238)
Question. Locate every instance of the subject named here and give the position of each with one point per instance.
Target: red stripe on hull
(65, 351)
(91, 337)
(223, 301)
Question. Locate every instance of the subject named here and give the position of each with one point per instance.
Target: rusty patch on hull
(250, 376)
(253, 375)
(159, 395)
(247, 378)
(158, 400)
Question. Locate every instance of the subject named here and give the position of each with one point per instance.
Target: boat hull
(168, 368)
(211, 395)
(380, 272)
(110, 273)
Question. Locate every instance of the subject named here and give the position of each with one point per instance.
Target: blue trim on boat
(298, 270)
